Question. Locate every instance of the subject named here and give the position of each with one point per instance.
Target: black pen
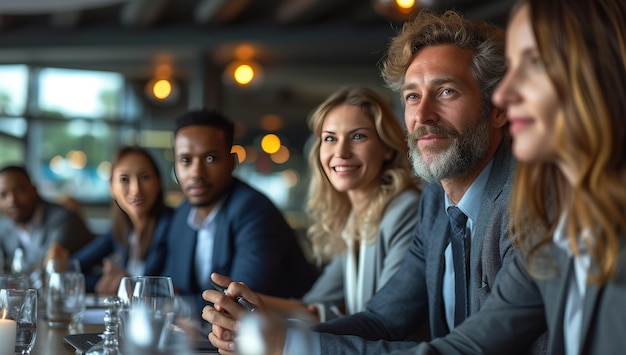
(242, 301)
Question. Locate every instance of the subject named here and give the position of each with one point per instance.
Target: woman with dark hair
(135, 245)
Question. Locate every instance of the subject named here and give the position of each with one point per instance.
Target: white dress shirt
(204, 245)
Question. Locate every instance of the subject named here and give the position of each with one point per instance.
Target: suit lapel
(592, 293)
(222, 254)
(435, 256)
(556, 298)
(499, 176)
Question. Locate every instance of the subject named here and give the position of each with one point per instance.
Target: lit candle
(8, 332)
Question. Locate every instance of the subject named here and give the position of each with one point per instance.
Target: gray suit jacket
(414, 295)
(384, 256)
(523, 305)
(58, 225)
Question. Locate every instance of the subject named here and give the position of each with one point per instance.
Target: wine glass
(151, 315)
(125, 290)
(155, 292)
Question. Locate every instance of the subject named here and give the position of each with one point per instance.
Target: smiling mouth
(341, 169)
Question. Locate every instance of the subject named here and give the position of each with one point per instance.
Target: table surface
(50, 340)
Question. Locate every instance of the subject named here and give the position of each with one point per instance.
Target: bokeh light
(162, 89)
(244, 74)
(281, 156)
(240, 151)
(77, 159)
(270, 143)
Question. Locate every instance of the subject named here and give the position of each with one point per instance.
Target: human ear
(498, 117)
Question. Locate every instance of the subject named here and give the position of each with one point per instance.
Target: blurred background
(79, 78)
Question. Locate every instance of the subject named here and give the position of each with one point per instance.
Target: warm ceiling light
(162, 89)
(397, 10)
(405, 4)
(243, 74)
(270, 143)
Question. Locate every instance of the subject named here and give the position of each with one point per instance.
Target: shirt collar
(473, 197)
(195, 221)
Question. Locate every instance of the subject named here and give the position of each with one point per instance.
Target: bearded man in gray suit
(445, 68)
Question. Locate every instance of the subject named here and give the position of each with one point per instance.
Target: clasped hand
(226, 313)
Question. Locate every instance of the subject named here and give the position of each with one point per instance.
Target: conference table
(50, 340)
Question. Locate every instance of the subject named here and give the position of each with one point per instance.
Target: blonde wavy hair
(330, 209)
(583, 48)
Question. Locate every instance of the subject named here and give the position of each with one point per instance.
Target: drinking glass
(150, 316)
(20, 306)
(14, 281)
(65, 294)
(62, 265)
(125, 290)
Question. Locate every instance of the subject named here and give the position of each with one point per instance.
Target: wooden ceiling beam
(219, 11)
(68, 19)
(142, 13)
(294, 11)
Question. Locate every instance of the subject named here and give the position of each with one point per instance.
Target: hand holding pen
(226, 316)
(242, 301)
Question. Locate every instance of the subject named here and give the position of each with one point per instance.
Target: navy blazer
(414, 295)
(90, 256)
(253, 244)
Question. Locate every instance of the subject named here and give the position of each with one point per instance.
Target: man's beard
(467, 149)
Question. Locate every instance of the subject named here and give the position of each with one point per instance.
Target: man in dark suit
(32, 226)
(226, 226)
(445, 68)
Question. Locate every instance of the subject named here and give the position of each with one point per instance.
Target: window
(74, 129)
(13, 89)
(67, 93)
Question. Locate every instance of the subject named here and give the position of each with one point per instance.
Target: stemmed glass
(151, 315)
(125, 290)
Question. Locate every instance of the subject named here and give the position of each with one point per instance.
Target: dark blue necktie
(460, 257)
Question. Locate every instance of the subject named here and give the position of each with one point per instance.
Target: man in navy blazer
(224, 225)
(446, 68)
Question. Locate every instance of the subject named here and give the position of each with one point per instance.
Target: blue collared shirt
(470, 205)
(204, 245)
